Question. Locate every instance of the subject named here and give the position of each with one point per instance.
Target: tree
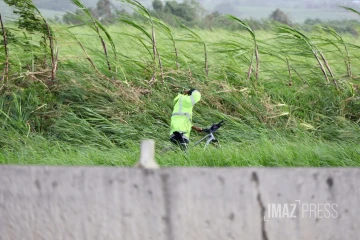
(158, 5)
(105, 12)
(77, 17)
(189, 10)
(103, 8)
(280, 16)
(209, 19)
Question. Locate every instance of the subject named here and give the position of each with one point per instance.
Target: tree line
(191, 13)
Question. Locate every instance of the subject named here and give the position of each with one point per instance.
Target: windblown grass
(262, 152)
(293, 116)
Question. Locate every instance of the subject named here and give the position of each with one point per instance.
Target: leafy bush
(280, 16)
(343, 26)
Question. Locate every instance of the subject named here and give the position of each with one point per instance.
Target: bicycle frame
(210, 137)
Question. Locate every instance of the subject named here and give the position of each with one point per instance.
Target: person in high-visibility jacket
(181, 118)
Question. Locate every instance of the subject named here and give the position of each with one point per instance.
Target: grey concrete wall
(176, 203)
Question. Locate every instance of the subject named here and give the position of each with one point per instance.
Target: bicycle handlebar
(214, 127)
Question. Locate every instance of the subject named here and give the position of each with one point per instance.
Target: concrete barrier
(178, 203)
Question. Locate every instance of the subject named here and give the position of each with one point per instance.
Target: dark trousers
(179, 140)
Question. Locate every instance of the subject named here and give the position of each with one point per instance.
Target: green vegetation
(87, 94)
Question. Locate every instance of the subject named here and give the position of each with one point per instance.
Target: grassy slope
(88, 119)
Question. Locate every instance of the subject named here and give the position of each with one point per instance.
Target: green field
(292, 110)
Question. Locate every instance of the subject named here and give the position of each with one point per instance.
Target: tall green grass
(284, 114)
(263, 152)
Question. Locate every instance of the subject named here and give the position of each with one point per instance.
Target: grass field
(297, 105)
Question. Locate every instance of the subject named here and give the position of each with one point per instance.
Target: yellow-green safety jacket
(181, 118)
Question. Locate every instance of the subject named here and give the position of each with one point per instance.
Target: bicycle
(210, 138)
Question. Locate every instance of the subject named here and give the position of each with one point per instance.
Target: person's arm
(198, 129)
(189, 91)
